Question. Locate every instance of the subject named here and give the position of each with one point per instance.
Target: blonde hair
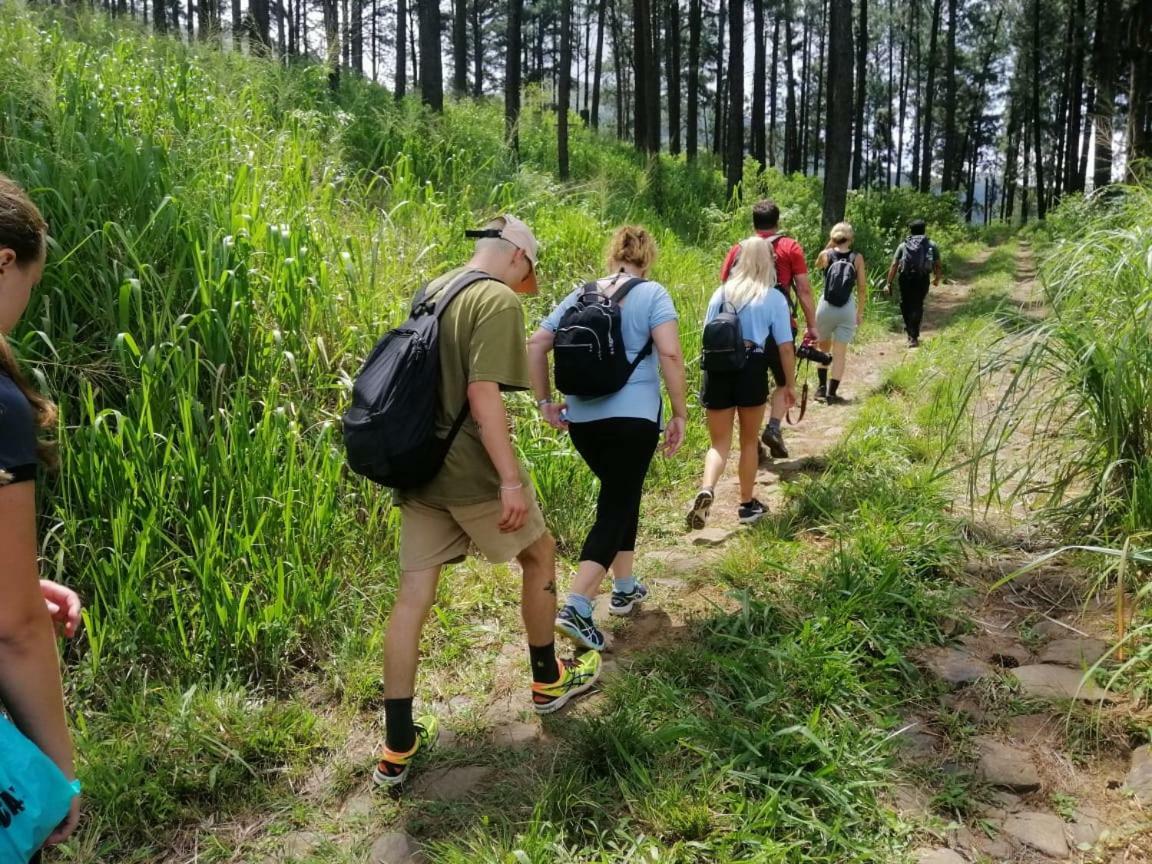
(753, 274)
(842, 232)
(632, 244)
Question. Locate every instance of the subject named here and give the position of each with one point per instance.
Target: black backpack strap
(622, 291)
(437, 304)
(440, 303)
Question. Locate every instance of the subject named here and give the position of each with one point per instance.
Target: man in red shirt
(791, 274)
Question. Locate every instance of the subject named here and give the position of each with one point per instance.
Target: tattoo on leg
(551, 587)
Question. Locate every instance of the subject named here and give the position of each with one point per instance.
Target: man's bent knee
(541, 553)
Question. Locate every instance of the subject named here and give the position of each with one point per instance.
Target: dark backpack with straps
(723, 341)
(839, 277)
(917, 256)
(590, 359)
(390, 429)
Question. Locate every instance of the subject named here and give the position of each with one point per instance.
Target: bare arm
(788, 361)
(861, 288)
(891, 275)
(666, 338)
(538, 347)
(804, 295)
(487, 407)
(30, 685)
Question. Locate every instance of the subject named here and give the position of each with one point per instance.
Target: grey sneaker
(698, 515)
(581, 630)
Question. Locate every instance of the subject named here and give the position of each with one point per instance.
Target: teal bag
(35, 796)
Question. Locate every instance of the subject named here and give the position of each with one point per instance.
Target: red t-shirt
(790, 261)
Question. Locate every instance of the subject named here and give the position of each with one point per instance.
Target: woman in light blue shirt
(617, 434)
(764, 315)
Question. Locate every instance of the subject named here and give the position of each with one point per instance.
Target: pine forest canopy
(1009, 105)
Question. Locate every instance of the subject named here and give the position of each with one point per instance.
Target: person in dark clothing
(917, 260)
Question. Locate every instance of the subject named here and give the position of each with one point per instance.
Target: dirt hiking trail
(1037, 754)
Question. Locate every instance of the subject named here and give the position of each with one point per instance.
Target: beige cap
(521, 236)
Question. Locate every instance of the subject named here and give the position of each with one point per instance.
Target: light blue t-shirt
(646, 307)
(765, 317)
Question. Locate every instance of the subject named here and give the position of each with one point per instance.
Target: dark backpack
(589, 344)
(839, 277)
(723, 341)
(390, 430)
(917, 256)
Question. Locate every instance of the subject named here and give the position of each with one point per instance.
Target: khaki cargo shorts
(435, 534)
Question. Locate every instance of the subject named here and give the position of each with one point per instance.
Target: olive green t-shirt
(481, 339)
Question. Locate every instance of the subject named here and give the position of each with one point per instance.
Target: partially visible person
(791, 276)
(917, 259)
(841, 307)
(30, 685)
(743, 394)
(617, 435)
(481, 498)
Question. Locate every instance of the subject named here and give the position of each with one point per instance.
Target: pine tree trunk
(431, 68)
(652, 79)
(400, 75)
(641, 45)
(928, 143)
(1086, 140)
(512, 74)
(1011, 161)
(805, 107)
(772, 119)
(692, 119)
(620, 66)
(735, 161)
(332, 41)
(672, 41)
(477, 51)
(718, 113)
(818, 111)
(599, 67)
(238, 22)
(358, 36)
(1075, 100)
(565, 87)
(948, 168)
(1037, 117)
(791, 126)
(918, 91)
(891, 160)
(838, 127)
(759, 84)
(861, 93)
(901, 116)
(1025, 200)
(1104, 71)
(1139, 91)
(459, 47)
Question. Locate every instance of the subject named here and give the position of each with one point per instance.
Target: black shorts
(747, 388)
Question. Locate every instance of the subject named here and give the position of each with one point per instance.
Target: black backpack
(723, 341)
(390, 430)
(839, 277)
(917, 256)
(589, 344)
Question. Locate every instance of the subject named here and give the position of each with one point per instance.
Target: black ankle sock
(399, 731)
(822, 377)
(833, 386)
(545, 669)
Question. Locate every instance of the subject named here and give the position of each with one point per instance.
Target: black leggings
(619, 451)
(913, 291)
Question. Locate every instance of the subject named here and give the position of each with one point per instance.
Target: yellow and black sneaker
(392, 769)
(576, 676)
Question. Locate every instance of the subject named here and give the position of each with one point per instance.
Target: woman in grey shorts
(836, 323)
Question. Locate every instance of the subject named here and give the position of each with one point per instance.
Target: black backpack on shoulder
(917, 258)
(723, 341)
(390, 429)
(839, 277)
(590, 359)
